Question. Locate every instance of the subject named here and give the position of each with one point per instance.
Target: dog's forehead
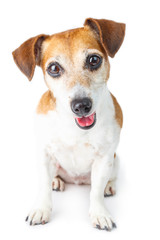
(69, 43)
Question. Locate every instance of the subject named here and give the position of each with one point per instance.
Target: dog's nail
(114, 225)
(98, 226)
(55, 189)
(108, 195)
(43, 222)
(106, 228)
(26, 219)
(30, 222)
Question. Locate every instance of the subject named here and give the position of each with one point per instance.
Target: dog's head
(75, 65)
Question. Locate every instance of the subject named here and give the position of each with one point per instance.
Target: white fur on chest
(76, 159)
(75, 149)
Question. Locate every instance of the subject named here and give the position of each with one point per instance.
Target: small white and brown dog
(78, 119)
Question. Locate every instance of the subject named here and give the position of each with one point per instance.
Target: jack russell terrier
(78, 119)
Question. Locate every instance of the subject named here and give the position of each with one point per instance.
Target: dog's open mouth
(86, 122)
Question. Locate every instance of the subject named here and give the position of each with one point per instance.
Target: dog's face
(76, 69)
(75, 65)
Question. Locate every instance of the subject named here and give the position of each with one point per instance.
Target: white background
(134, 80)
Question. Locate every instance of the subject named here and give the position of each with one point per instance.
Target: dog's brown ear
(28, 55)
(110, 33)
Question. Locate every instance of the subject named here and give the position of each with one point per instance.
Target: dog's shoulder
(118, 111)
(46, 103)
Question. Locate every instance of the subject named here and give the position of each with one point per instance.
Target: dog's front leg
(101, 171)
(41, 212)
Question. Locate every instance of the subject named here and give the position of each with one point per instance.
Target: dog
(78, 120)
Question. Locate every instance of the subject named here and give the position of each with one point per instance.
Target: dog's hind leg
(58, 184)
(110, 188)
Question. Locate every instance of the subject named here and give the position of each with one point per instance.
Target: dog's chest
(72, 149)
(76, 159)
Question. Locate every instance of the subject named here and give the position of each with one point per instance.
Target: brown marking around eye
(69, 43)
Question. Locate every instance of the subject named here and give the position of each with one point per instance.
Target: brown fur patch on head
(84, 81)
(46, 103)
(68, 44)
(118, 111)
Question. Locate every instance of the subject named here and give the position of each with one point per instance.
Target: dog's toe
(38, 216)
(102, 221)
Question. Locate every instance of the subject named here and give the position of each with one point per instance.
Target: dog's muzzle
(81, 108)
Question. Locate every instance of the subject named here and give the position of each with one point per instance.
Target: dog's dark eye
(93, 61)
(54, 69)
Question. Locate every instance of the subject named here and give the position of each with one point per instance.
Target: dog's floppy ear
(110, 33)
(28, 55)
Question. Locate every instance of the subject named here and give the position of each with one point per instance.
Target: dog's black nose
(81, 107)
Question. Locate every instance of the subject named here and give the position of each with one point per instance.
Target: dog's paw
(39, 216)
(58, 184)
(110, 189)
(102, 221)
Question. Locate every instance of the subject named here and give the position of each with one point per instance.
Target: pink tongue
(86, 121)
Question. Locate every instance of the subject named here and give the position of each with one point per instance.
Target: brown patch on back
(118, 111)
(46, 103)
